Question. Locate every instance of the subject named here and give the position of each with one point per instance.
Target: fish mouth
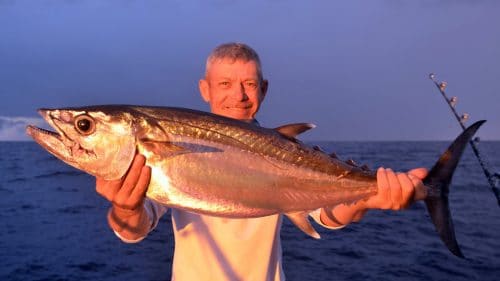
(58, 143)
(51, 141)
(41, 135)
(33, 130)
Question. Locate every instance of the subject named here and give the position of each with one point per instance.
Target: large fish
(218, 166)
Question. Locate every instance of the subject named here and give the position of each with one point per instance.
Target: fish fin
(164, 148)
(293, 130)
(438, 181)
(301, 220)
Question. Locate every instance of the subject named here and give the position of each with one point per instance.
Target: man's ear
(204, 90)
(263, 88)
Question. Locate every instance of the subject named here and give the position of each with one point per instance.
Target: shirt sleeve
(316, 215)
(154, 212)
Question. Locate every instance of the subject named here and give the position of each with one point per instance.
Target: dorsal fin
(292, 130)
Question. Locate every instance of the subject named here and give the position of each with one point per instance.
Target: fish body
(234, 169)
(218, 166)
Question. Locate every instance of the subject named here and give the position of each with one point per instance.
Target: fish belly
(231, 182)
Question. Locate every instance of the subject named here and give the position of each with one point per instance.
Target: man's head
(233, 84)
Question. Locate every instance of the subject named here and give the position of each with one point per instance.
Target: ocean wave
(28, 269)
(55, 174)
(3, 189)
(88, 266)
(13, 128)
(60, 173)
(75, 209)
(20, 179)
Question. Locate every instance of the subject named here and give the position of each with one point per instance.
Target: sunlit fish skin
(206, 163)
(203, 162)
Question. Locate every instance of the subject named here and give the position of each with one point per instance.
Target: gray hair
(234, 51)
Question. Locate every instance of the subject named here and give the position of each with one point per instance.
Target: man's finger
(395, 189)
(383, 188)
(407, 189)
(132, 176)
(420, 173)
(142, 185)
(107, 188)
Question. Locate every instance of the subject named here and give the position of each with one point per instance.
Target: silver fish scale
(266, 142)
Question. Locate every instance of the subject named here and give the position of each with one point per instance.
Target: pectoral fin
(301, 220)
(168, 149)
(163, 148)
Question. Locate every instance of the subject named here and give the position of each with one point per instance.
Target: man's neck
(251, 121)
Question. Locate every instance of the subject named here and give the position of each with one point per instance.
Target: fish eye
(84, 124)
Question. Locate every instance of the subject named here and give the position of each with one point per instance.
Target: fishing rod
(493, 179)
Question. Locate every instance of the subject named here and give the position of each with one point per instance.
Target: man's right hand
(127, 216)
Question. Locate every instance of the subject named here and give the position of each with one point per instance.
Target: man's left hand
(397, 191)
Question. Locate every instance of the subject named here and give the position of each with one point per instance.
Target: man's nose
(240, 93)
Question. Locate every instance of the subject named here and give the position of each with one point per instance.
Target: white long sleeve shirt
(213, 248)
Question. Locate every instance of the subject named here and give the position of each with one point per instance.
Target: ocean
(53, 225)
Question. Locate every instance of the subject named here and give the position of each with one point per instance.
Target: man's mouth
(240, 107)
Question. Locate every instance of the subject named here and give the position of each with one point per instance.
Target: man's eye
(251, 85)
(224, 84)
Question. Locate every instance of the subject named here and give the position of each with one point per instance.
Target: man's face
(233, 89)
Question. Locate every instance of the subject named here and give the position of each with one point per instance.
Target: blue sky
(357, 69)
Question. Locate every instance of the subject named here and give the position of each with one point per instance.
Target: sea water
(53, 225)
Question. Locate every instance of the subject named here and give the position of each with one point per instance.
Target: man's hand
(127, 215)
(128, 192)
(396, 191)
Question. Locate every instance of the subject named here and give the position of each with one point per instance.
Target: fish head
(98, 141)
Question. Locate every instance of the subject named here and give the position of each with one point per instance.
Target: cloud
(14, 128)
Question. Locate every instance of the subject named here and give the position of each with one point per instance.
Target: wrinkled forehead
(229, 67)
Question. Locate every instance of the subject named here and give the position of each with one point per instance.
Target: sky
(357, 69)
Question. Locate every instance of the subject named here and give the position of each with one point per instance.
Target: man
(212, 248)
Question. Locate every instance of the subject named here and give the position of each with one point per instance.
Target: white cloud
(14, 128)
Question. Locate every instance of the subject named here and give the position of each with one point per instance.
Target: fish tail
(438, 182)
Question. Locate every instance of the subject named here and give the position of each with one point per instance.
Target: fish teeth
(43, 131)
